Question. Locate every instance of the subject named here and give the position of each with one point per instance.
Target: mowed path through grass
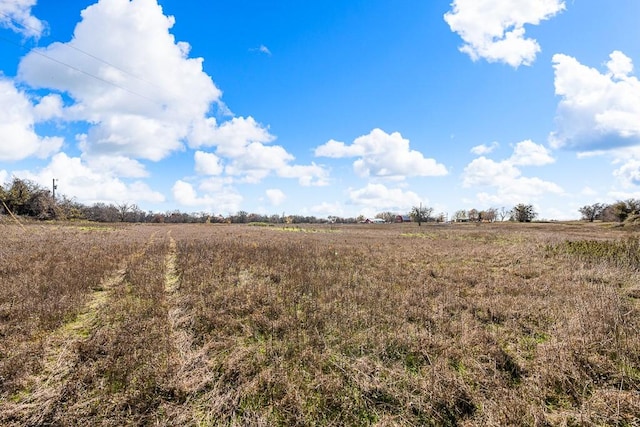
(495, 324)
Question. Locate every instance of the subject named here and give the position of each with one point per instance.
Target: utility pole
(54, 188)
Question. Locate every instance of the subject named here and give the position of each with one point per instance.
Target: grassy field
(470, 325)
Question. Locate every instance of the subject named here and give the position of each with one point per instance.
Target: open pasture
(464, 324)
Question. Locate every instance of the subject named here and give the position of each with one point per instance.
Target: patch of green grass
(620, 253)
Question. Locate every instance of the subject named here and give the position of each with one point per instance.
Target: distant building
(403, 218)
(373, 221)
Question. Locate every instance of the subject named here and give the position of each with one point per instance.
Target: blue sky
(323, 107)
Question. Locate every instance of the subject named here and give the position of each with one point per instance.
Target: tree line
(25, 198)
(627, 211)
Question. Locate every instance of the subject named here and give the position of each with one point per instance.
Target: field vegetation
(393, 324)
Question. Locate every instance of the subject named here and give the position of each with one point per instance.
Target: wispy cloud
(483, 149)
(495, 29)
(261, 49)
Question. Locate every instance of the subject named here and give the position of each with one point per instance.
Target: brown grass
(503, 324)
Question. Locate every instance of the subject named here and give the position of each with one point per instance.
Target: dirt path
(191, 373)
(60, 359)
(46, 388)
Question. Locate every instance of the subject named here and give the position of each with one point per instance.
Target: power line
(90, 55)
(70, 46)
(37, 52)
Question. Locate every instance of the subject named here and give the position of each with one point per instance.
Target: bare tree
(503, 213)
(489, 214)
(387, 216)
(123, 210)
(460, 215)
(592, 212)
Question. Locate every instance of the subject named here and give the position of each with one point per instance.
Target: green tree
(523, 213)
(420, 214)
(592, 212)
(24, 197)
(624, 209)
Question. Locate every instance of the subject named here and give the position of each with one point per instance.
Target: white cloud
(225, 200)
(145, 97)
(49, 107)
(275, 196)
(494, 29)
(146, 92)
(244, 142)
(619, 65)
(528, 153)
(308, 175)
(77, 180)
(623, 195)
(336, 149)
(215, 184)
(378, 198)
(628, 174)
(598, 111)
(481, 150)
(16, 15)
(120, 166)
(207, 163)
(230, 138)
(186, 195)
(507, 179)
(327, 209)
(17, 123)
(383, 155)
(487, 172)
(262, 49)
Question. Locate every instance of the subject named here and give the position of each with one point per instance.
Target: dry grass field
(441, 325)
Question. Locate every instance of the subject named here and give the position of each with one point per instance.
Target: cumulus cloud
(231, 138)
(481, 150)
(506, 177)
(275, 196)
(224, 200)
(494, 29)
(143, 97)
(327, 209)
(528, 153)
(120, 166)
(383, 155)
(245, 143)
(49, 107)
(77, 180)
(258, 161)
(628, 174)
(307, 175)
(16, 15)
(17, 127)
(208, 163)
(144, 94)
(597, 111)
(378, 198)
